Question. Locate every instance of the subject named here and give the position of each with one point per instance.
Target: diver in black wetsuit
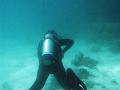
(50, 61)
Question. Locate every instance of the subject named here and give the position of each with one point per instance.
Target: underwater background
(94, 25)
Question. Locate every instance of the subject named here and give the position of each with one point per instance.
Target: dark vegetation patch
(82, 60)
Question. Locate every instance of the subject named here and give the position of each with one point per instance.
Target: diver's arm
(67, 43)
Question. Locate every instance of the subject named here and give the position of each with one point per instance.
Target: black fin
(74, 81)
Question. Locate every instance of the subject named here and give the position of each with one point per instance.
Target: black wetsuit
(55, 68)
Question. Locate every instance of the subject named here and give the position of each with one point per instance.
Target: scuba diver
(50, 53)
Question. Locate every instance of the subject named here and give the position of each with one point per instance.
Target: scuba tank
(51, 49)
(48, 47)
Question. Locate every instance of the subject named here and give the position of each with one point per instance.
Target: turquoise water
(94, 25)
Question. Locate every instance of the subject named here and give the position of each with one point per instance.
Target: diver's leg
(61, 76)
(40, 80)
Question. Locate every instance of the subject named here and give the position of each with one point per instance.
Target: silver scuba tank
(48, 45)
(51, 50)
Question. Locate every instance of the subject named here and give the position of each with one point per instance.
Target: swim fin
(74, 82)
